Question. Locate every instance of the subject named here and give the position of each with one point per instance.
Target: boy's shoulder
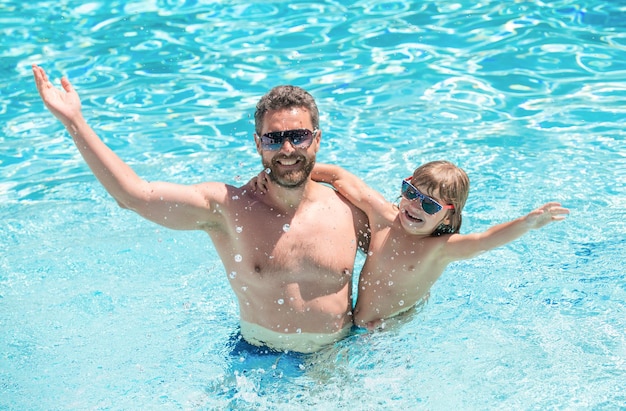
(383, 215)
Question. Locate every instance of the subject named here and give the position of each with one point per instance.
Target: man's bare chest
(314, 237)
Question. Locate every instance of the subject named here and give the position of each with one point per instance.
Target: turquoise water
(102, 310)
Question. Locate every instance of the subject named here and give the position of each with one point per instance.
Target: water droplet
(238, 229)
(238, 258)
(370, 253)
(280, 301)
(233, 274)
(268, 171)
(401, 303)
(235, 197)
(299, 331)
(244, 288)
(286, 227)
(390, 283)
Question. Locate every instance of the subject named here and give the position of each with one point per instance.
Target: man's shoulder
(219, 195)
(217, 187)
(328, 193)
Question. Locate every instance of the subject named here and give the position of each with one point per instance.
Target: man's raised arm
(172, 205)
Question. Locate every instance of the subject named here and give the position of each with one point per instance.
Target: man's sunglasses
(300, 138)
(429, 205)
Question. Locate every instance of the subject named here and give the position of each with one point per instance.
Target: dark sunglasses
(300, 138)
(429, 205)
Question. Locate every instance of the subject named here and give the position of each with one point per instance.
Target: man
(289, 253)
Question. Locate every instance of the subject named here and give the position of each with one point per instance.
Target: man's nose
(287, 146)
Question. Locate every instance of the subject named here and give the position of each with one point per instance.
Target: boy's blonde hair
(448, 183)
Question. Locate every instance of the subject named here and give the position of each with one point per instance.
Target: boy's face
(415, 220)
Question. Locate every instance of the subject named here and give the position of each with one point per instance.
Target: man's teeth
(288, 161)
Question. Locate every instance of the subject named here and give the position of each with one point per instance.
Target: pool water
(102, 310)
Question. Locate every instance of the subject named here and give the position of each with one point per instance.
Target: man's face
(288, 166)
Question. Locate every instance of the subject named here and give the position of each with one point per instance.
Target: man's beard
(291, 178)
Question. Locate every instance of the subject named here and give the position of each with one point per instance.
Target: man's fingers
(41, 78)
(67, 86)
(41, 74)
(37, 75)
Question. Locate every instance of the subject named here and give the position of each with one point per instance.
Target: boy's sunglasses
(429, 205)
(300, 138)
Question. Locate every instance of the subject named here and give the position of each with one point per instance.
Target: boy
(413, 242)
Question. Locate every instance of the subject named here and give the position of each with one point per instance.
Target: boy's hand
(260, 182)
(546, 214)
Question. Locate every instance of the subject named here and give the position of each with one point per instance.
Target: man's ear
(317, 139)
(257, 142)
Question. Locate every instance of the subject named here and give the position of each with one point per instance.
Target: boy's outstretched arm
(172, 205)
(350, 186)
(460, 247)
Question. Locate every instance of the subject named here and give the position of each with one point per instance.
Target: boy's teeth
(413, 217)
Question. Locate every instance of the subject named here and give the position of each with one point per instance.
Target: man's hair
(450, 184)
(285, 97)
